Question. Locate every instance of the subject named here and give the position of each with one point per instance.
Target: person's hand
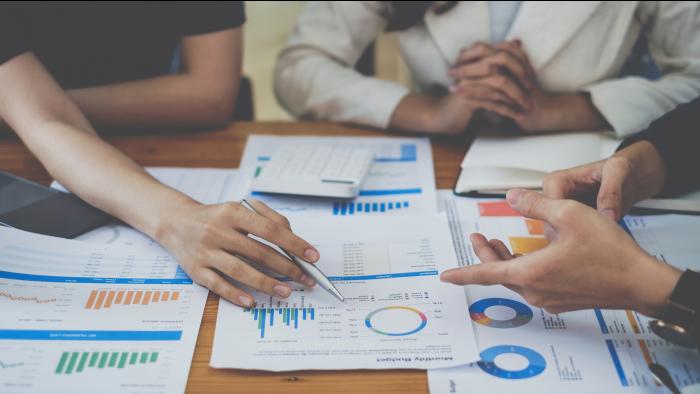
(495, 78)
(448, 114)
(500, 78)
(629, 176)
(590, 262)
(210, 242)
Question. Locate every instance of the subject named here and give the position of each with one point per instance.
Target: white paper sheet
(397, 313)
(206, 185)
(528, 350)
(401, 179)
(84, 317)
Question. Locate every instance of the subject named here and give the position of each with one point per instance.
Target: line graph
(22, 298)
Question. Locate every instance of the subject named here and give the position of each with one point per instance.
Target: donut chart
(477, 312)
(423, 321)
(536, 363)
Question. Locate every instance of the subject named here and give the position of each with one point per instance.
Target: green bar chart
(77, 362)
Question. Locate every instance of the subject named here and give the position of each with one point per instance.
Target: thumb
(533, 205)
(609, 201)
(479, 274)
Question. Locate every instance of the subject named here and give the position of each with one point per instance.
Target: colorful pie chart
(396, 321)
(536, 363)
(477, 312)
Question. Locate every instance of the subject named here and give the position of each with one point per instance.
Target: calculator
(319, 170)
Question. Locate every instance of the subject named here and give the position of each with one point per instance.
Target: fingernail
(453, 88)
(311, 255)
(245, 301)
(307, 281)
(596, 176)
(609, 213)
(282, 291)
(513, 195)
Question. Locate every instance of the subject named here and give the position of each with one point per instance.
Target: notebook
(496, 163)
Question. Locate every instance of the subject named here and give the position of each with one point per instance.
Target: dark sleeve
(13, 38)
(201, 17)
(676, 136)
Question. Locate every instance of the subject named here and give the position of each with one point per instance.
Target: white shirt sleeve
(314, 75)
(630, 104)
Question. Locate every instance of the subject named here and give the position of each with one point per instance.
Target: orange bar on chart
(91, 299)
(156, 296)
(496, 208)
(129, 296)
(176, 295)
(525, 245)
(633, 322)
(165, 296)
(534, 227)
(137, 297)
(110, 298)
(100, 299)
(146, 298)
(645, 352)
(120, 297)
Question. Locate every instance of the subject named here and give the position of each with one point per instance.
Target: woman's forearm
(172, 101)
(104, 177)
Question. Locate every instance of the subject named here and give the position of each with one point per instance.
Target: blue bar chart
(287, 317)
(357, 208)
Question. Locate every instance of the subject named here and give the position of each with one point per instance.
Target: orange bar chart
(103, 299)
(534, 227)
(496, 208)
(525, 245)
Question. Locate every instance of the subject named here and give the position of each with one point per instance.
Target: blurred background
(266, 30)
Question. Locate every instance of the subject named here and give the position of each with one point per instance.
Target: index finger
(480, 274)
(278, 234)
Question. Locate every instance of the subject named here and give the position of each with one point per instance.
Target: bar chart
(347, 208)
(286, 317)
(103, 299)
(77, 362)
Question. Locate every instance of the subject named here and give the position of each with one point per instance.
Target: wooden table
(224, 148)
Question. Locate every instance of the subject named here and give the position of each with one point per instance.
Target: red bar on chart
(137, 297)
(120, 297)
(166, 295)
(496, 208)
(176, 295)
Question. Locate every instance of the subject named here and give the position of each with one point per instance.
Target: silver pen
(308, 268)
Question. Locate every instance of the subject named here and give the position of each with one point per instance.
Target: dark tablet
(31, 207)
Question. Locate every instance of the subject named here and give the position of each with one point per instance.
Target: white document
(497, 162)
(401, 178)
(84, 317)
(525, 349)
(206, 185)
(397, 313)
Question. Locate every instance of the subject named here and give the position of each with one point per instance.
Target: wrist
(169, 223)
(650, 299)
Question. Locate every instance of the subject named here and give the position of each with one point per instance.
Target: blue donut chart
(536, 363)
(477, 312)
